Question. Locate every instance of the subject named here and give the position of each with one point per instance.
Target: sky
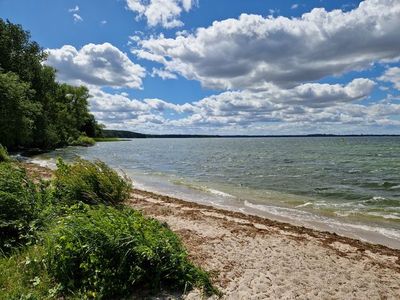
(226, 66)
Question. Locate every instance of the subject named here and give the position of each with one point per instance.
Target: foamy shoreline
(253, 257)
(362, 231)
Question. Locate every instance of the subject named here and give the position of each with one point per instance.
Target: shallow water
(329, 180)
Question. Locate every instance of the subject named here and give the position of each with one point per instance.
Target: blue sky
(249, 67)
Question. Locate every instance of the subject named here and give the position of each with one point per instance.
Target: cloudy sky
(226, 66)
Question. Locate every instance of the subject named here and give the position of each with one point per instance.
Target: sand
(256, 258)
(251, 257)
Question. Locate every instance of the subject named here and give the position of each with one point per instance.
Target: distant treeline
(35, 109)
(132, 135)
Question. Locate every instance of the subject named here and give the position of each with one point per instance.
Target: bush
(4, 155)
(91, 183)
(103, 252)
(83, 140)
(18, 200)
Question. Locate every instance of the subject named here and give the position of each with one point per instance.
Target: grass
(90, 182)
(72, 238)
(24, 276)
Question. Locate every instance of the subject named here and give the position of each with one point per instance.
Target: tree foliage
(36, 110)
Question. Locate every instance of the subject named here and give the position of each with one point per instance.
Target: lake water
(350, 185)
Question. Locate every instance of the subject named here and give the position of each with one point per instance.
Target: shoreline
(285, 214)
(373, 231)
(261, 223)
(251, 257)
(348, 231)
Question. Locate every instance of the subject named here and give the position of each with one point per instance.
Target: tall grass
(24, 276)
(90, 182)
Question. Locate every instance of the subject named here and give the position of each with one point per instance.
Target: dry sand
(251, 257)
(255, 258)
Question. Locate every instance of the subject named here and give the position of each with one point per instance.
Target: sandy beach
(255, 258)
(251, 257)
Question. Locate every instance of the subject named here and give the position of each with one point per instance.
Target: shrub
(83, 140)
(18, 212)
(4, 154)
(104, 252)
(90, 182)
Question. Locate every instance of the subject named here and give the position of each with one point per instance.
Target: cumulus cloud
(163, 74)
(290, 105)
(332, 107)
(161, 12)
(96, 64)
(392, 75)
(253, 51)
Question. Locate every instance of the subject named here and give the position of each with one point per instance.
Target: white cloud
(163, 74)
(77, 18)
(392, 75)
(74, 10)
(100, 65)
(161, 12)
(294, 6)
(103, 22)
(252, 52)
(306, 108)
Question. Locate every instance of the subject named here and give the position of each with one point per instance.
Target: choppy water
(331, 181)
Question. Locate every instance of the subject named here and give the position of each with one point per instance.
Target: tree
(36, 110)
(17, 111)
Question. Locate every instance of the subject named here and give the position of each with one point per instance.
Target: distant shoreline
(108, 133)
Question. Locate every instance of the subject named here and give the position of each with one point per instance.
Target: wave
(321, 221)
(202, 188)
(46, 163)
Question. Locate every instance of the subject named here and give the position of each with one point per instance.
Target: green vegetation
(110, 139)
(84, 141)
(72, 238)
(90, 182)
(18, 211)
(4, 155)
(36, 110)
(106, 252)
(24, 276)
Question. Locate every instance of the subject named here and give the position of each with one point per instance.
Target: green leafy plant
(104, 252)
(78, 251)
(4, 157)
(18, 211)
(90, 182)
